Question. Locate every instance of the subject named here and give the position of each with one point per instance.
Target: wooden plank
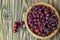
(16, 9)
(14, 17)
(11, 11)
(50, 2)
(24, 36)
(0, 27)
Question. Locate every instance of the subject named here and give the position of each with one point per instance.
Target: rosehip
(22, 23)
(36, 30)
(52, 10)
(46, 18)
(47, 15)
(46, 9)
(34, 19)
(39, 23)
(29, 22)
(37, 16)
(43, 7)
(38, 20)
(15, 24)
(14, 30)
(40, 10)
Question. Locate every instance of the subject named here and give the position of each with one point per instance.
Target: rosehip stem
(49, 19)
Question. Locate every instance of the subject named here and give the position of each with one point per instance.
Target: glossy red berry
(39, 23)
(14, 31)
(36, 30)
(52, 10)
(35, 20)
(29, 22)
(47, 15)
(46, 12)
(34, 16)
(40, 10)
(15, 24)
(38, 20)
(46, 18)
(21, 23)
(15, 28)
(46, 9)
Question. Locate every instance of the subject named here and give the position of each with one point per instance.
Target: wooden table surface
(11, 11)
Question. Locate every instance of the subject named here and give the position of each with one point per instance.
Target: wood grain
(15, 10)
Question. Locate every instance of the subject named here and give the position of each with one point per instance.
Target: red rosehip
(39, 23)
(43, 20)
(43, 34)
(43, 7)
(28, 17)
(35, 20)
(31, 25)
(35, 23)
(47, 15)
(35, 8)
(46, 9)
(36, 30)
(22, 23)
(40, 10)
(15, 24)
(53, 24)
(29, 22)
(16, 27)
(52, 10)
(46, 12)
(34, 27)
(40, 13)
(14, 30)
(40, 29)
(37, 16)
(46, 18)
(38, 20)
(34, 15)
(39, 33)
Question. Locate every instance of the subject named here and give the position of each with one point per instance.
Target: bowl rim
(25, 19)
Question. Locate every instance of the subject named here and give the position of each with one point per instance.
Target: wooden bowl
(41, 37)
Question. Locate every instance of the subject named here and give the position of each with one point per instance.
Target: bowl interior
(27, 26)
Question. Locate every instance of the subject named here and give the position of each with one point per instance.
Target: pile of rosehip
(16, 26)
(42, 20)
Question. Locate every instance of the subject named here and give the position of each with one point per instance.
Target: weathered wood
(15, 9)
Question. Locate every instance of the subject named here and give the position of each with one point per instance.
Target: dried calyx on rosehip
(42, 20)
